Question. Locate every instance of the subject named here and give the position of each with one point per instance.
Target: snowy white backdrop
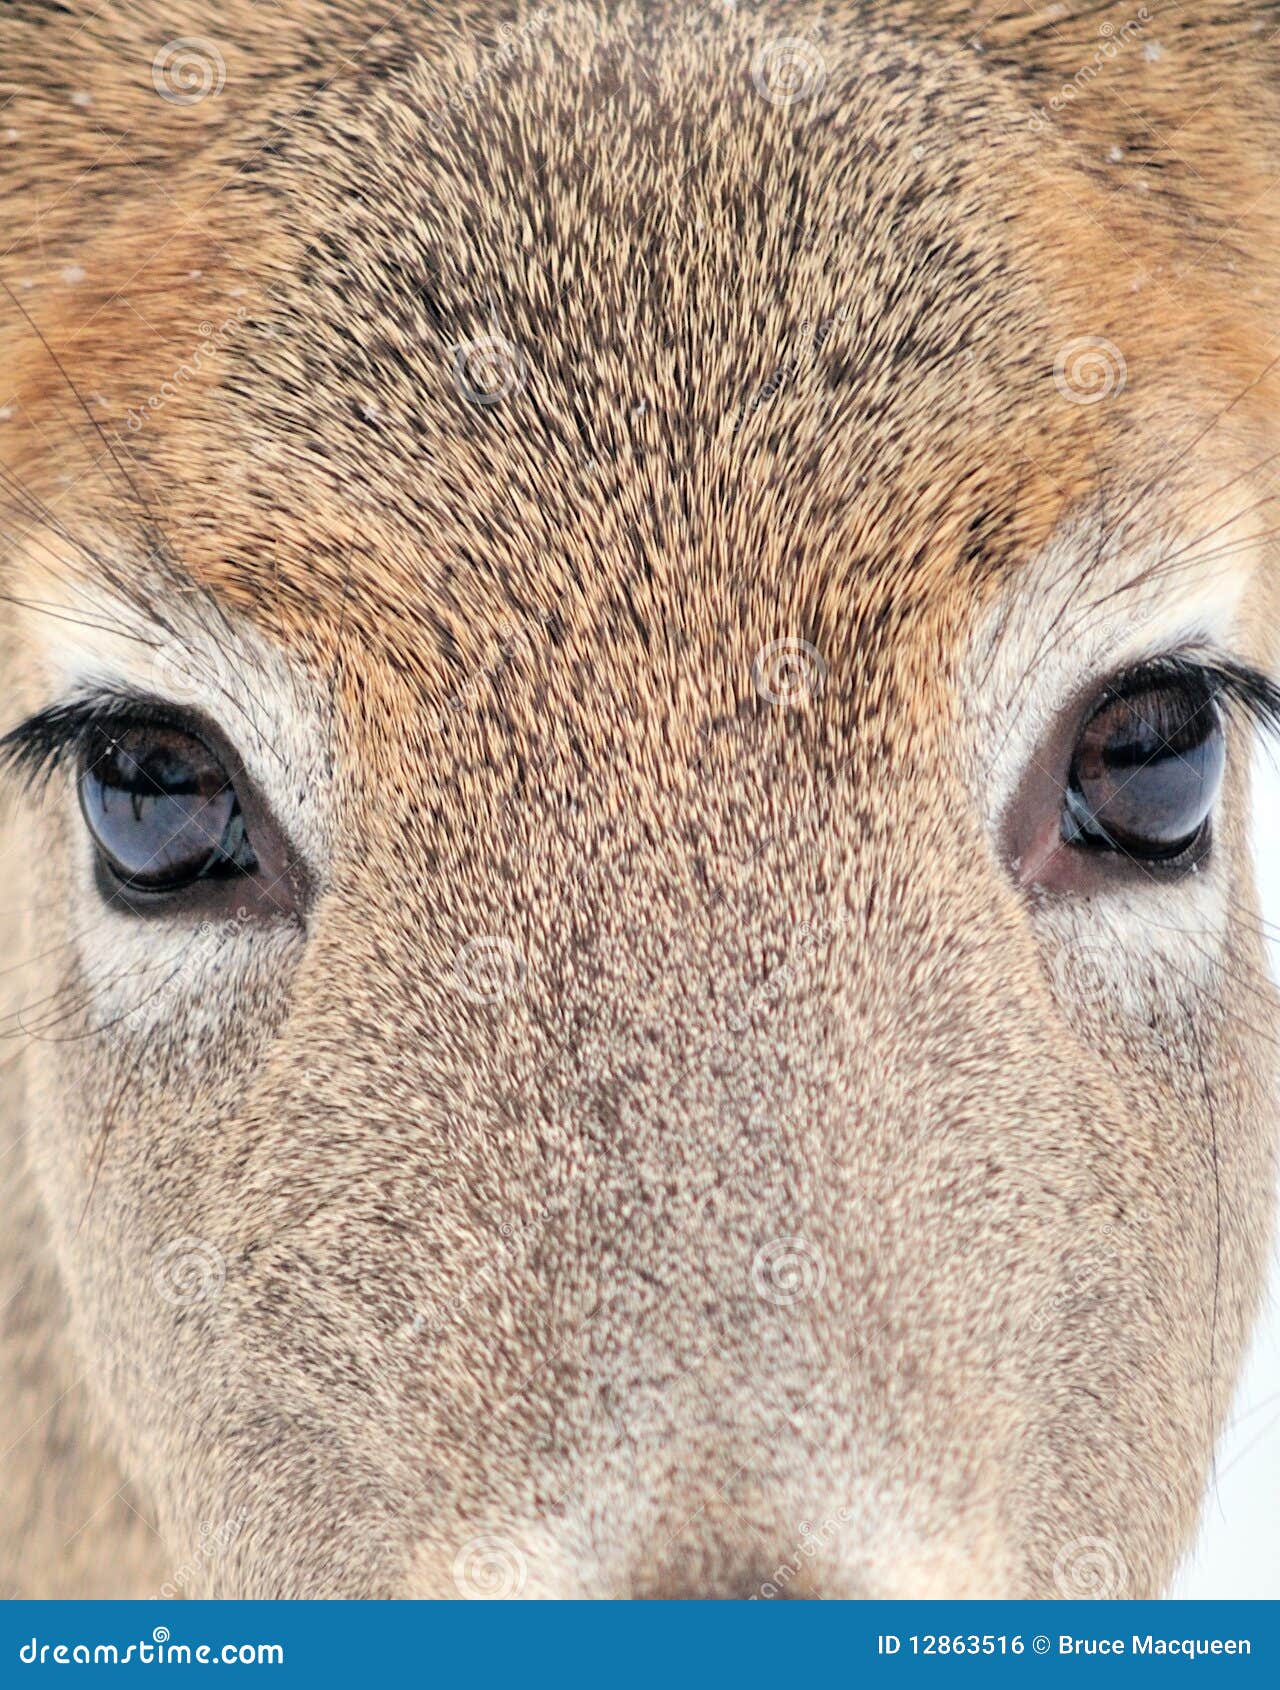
(1238, 1552)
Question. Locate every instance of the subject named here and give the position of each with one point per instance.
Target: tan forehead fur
(658, 241)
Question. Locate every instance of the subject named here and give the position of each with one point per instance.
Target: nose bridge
(756, 1105)
(729, 1152)
(799, 1094)
(736, 968)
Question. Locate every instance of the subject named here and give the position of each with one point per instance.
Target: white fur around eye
(142, 972)
(272, 709)
(1071, 620)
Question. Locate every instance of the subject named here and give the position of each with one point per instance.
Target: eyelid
(37, 748)
(1239, 688)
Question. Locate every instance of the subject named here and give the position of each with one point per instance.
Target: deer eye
(1147, 767)
(161, 808)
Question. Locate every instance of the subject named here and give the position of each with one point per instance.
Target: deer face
(641, 974)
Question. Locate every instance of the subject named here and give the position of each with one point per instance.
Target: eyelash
(1239, 690)
(51, 740)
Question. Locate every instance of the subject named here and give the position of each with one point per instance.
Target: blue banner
(570, 1644)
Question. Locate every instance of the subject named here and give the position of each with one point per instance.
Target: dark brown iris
(1146, 770)
(161, 808)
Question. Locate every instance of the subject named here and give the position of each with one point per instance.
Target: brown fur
(788, 374)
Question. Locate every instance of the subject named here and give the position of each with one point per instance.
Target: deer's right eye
(161, 808)
(1147, 767)
(175, 818)
(1132, 784)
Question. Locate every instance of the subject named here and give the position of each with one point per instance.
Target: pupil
(1158, 726)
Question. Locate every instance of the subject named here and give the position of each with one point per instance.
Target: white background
(1238, 1552)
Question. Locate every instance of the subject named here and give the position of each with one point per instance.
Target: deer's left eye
(161, 808)
(1146, 769)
